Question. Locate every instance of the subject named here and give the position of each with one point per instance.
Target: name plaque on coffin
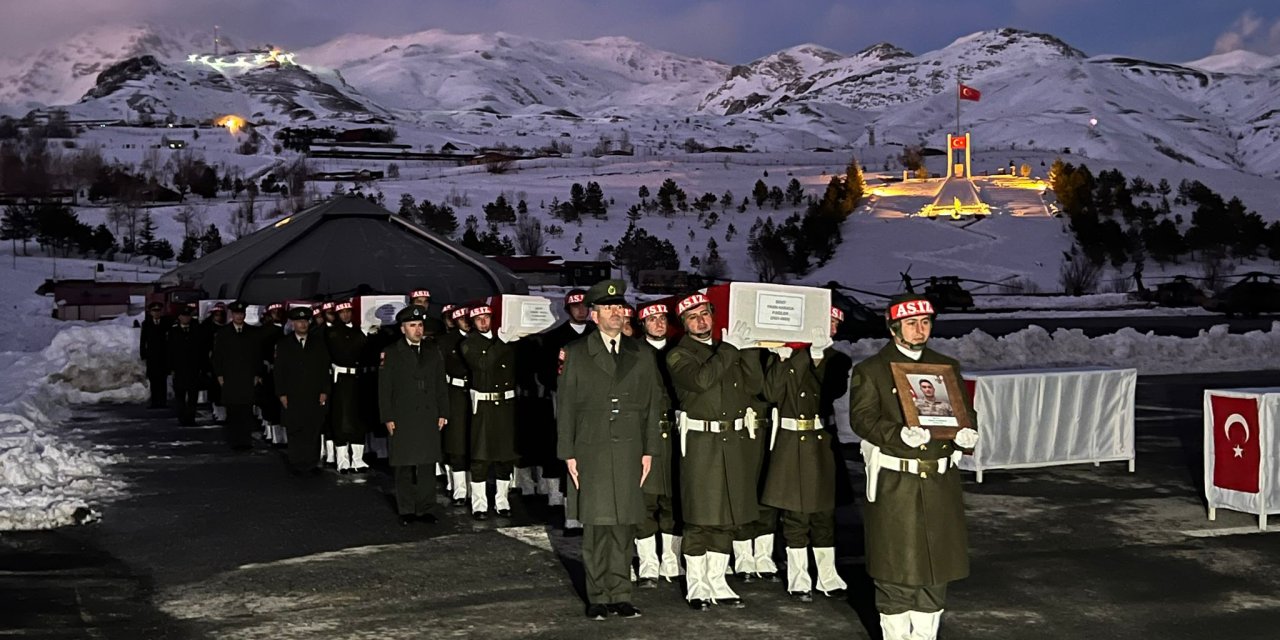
(520, 315)
(374, 312)
(778, 314)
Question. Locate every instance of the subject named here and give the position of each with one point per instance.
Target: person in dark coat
(716, 383)
(302, 384)
(455, 440)
(414, 406)
(151, 349)
(271, 328)
(347, 418)
(801, 479)
(209, 328)
(492, 364)
(916, 541)
(185, 350)
(552, 341)
(660, 487)
(610, 404)
(237, 364)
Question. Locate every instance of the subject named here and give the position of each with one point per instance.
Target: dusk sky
(732, 31)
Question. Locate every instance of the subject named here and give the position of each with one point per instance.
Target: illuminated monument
(958, 196)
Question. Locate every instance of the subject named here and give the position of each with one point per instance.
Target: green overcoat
(802, 469)
(915, 530)
(608, 414)
(661, 480)
(492, 364)
(719, 472)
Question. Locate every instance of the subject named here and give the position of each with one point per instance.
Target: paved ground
(213, 545)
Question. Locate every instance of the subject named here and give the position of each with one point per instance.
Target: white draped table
(1242, 452)
(1048, 417)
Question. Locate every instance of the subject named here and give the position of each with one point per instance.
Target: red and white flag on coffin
(1237, 452)
(969, 93)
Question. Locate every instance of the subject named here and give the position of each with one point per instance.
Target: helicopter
(1253, 294)
(1179, 291)
(860, 321)
(945, 292)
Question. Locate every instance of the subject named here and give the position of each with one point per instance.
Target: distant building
(92, 301)
(553, 270)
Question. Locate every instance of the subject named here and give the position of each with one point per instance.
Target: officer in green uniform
(610, 404)
(916, 540)
(237, 366)
(302, 384)
(492, 364)
(715, 382)
(456, 438)
(414, 406)
(801, 479)
(659, 488)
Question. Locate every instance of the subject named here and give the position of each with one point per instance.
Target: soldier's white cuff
(967, 438)
(915, 436)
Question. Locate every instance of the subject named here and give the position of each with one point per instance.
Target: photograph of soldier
(715, 382)
(237, 367)
(185, 350)
(414, 405)
(271, 328)
(661, 521)
(930, 396)
(152, 344)
(916, 540)
(209, 328)
(492, 364)
(456, 438)
(347, 416)
(302, 386)
(801, 478)
(551, 475)
(610, 403)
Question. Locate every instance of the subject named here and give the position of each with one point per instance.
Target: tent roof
(344, 246)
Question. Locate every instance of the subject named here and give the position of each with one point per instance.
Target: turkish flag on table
(1237, 453)
(969, 93)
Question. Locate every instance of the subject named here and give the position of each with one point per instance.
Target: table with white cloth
(1048, 417)
(1241, 452)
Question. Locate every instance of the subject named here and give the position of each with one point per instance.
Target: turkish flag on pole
(959, 142)
(1237, 453)
(969, 93)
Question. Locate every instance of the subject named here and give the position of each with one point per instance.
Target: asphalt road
(209, 544)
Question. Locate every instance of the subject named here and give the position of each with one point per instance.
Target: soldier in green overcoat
(456, 436)
(801, 480)
(660, 509)
(715, 383)
(414, 406)
(610, 404)
(492, 363)
(916, 540)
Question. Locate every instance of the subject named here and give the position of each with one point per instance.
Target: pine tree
(593, 201)
(190, 246)
(499, 211)
(854, 187)
(760, 193)
(211, 240)
(18, 223)
(644, 192)
(795, 192)
(408, 208)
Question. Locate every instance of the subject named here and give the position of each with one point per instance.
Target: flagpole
(958, 85)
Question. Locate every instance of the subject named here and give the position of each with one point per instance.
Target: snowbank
(47, 479)
(1211, 351)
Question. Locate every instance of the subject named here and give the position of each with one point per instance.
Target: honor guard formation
(672, 457)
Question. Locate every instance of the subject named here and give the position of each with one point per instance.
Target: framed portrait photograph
(932, 396)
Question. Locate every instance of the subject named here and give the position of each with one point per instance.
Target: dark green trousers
(659, 516)
(766, 524)
(415, 489)
(802, 530)
(892, 599)
(606, 560)
(701, 538)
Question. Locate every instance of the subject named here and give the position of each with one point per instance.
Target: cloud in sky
(733, 31)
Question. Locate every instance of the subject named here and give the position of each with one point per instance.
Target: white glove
(739, 336)
(817, 354)
(966, 438)
(915, 436)
(783, 352)
(506, 337)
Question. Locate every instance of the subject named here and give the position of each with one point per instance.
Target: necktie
(613, 347)
(303, 342)
(417, 349)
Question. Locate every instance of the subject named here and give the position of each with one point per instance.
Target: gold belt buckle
(805, 424)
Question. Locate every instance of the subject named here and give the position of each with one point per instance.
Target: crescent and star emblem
(1232, 421)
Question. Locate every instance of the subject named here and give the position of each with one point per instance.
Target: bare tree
(529, 238)
(192, 219)
(244, 220)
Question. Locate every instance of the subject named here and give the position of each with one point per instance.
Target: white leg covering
(343, 455)
(647, 551)
(202, 397)
(697, 586)
(328, 452)
(717, 566)
(670, 567)
(479, 498)
(279, 435)
(357, 457)
(439, 469)
(896, 626)
(798, 580)
(828, 578)
(540, 483)
(633, 573)
(443, 469)
(554, 497)
(764, 554)
(570, 523)
(219, 412)
(924, 626)
(523, 477)
(459, 480)
(502, 496)
(744, 558)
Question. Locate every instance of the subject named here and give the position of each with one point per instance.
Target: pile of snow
(46, 479)
(1214, 350)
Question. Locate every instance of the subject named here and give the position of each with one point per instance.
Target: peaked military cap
(607, 292)
(238, 307)
(410, 314)
(300, 313)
